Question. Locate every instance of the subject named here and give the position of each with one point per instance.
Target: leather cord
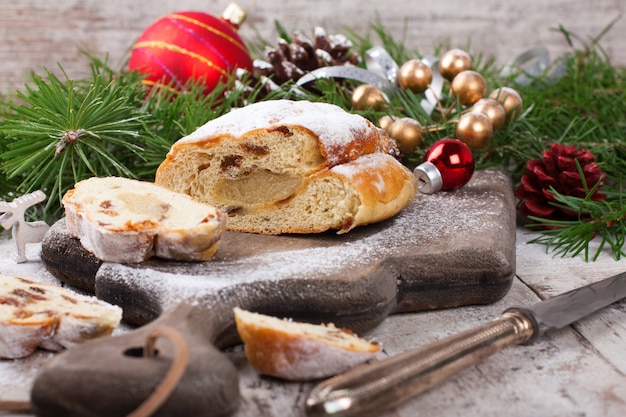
(174, 374)
(15, 406)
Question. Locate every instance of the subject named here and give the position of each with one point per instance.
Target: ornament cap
(234, 14)
(429, 179)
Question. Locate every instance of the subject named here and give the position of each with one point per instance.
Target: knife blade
(371, 388)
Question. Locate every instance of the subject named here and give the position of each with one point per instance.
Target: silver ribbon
(531, 64)
(381, 72)
(380, 62)
(348, 72)
(433, 93)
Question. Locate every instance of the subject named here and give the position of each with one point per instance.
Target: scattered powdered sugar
(438, 223)
(18, 375)
(459, 218)
(366, 163)
(335, 127)
(308, 359)
(31, 269)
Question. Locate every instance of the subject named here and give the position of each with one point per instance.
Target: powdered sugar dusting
(439, 223)
(366, 163)
(311, 360)
(31, 269)
(371, 162)
(335, 127)
(311, 351)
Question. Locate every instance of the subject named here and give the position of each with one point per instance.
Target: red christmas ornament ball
(189, 45)
(448, 165)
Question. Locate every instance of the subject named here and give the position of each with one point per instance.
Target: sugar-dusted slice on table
(35, 315)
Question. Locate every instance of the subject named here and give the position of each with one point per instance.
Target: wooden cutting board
(444, 250)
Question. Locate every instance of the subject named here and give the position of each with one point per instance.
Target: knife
(371, 388)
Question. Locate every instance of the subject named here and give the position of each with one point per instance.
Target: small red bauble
(448, 165)
(189, 45)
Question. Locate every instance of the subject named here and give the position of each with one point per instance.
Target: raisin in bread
(126, 221)
(298, 351)
(290, 167)
(36, 315)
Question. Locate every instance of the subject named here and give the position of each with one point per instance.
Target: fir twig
(59, 133)
(604, 220)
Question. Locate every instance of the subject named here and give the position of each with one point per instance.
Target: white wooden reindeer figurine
(23, 232)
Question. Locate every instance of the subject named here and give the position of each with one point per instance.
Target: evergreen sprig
(601, 221)
(58, 133)
(584, 107)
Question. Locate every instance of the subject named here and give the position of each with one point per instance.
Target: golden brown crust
(363, 142)
(384, 187)
(299, 351)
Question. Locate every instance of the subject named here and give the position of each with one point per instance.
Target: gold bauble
(475, 129)
(469, 87)
(414, 75)
(493, 110)
(407, 133)
(386, 121)
(510, 100)
(366, 96)
(453, 62)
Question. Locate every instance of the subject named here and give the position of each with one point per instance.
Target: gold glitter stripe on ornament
(164, 86)
(179, 50)
(210, 29)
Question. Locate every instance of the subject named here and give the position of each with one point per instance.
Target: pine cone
(557, 169)
(290, 61)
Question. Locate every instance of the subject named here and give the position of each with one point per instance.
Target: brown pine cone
(290, 61)
(557, 169)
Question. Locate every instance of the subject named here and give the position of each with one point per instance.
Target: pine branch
(604, 220)
(59, 133)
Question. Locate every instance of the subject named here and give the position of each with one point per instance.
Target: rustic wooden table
(579, 371)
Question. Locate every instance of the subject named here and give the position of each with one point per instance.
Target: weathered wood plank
(549, 276)
(39, 34)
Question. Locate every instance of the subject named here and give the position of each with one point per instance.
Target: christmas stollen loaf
(290, 167)
(36, 315)
(128, 221)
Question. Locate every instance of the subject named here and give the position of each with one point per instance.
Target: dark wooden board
(447, 249)
(444, 250)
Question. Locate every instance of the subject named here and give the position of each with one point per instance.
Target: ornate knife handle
(374, 387)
